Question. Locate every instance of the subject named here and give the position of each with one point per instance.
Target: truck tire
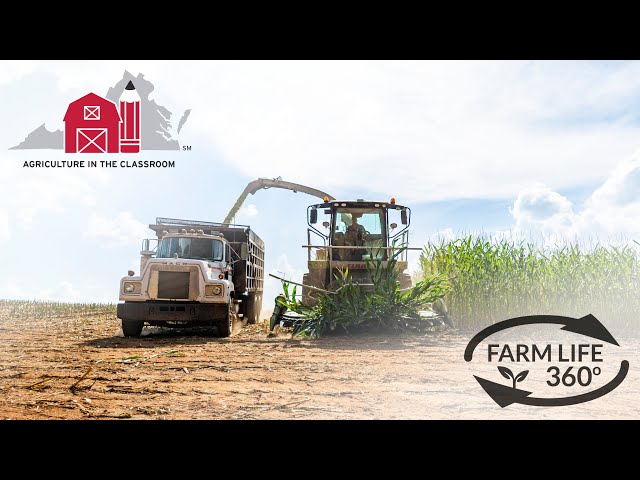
(258, 306)
(253, 308)
(228, 326)
(132, 328)
(248, 309)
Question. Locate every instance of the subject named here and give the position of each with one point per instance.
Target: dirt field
(79, 368)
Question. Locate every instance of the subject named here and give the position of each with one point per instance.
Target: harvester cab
(347, 234)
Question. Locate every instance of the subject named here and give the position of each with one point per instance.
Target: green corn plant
(491, 280)
(349, 309)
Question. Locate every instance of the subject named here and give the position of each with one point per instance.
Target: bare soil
(81, 368)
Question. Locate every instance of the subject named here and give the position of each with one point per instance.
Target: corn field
(15, 309)
(492, 280)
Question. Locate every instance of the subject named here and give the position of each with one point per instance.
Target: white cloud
(38, 194)
(251, 210)
(30, 192)
(245, 213)
(539, 210)
(283, 269)
(610, 214)
(4, 226)
(64, 291)
(14, 292)
(114, 232)
(12, 70)
(425, 130)
(443, 236)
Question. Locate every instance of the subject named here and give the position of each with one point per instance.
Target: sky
(548, 149)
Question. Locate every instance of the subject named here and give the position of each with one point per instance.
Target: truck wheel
(250, 309)
(227, 327)
(254, 307)
(258, 306)
(132, 328)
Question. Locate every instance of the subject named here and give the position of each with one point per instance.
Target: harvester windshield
(370, 219)
(359, 227)
(194, 248)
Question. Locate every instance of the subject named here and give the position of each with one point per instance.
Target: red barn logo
(94, 124)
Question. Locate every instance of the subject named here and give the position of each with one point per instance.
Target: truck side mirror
(313, 216)
(403, 216)
(146, 249)
(244, 251)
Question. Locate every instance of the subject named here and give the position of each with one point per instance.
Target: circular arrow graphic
(504, 396)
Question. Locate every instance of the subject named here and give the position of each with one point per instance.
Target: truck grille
(173, 285)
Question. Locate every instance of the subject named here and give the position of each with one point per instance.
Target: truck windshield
(195, 248)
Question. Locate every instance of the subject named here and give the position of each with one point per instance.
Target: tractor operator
(354, 237)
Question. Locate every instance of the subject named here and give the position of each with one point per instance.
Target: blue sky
(504, 147)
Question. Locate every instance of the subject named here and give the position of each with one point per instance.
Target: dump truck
(194, 273)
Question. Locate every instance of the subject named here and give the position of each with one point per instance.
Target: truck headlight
(132, 287)
(213, 290)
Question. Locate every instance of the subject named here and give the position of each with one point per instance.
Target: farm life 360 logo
(124, 121)
(566, 366)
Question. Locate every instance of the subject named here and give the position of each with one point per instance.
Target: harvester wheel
(132, 328)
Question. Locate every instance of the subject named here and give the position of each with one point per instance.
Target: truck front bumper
(172, 311)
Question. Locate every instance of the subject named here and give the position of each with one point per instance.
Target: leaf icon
(522, 375)
(506, 373)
